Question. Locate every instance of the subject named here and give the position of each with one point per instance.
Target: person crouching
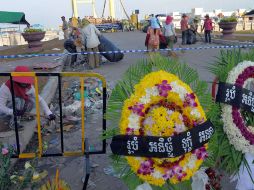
(24, 93)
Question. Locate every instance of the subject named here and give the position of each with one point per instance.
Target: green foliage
(5, 164)
(123, 90)
(181, 186)
(32, 30)
(55, 184)
(229, 19)
(225, 63)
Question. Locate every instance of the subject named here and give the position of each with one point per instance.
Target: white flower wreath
(239, 135)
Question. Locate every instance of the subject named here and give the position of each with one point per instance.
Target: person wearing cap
(153, 35)
(192, 32)
(65, 27)
(184, 28)
(194, 25)
(90, 39)
(208, 27)
(24, 98)
(169, 33)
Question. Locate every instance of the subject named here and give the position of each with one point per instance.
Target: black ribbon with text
(163, 147)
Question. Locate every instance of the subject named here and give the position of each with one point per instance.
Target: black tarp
(106, 46)
(191, 37)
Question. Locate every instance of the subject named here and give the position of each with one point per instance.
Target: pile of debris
(93, 93)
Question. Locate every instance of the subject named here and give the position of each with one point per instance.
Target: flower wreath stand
(162, 140)
(234, 121)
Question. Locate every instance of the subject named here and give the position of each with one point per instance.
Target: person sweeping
(24, 93)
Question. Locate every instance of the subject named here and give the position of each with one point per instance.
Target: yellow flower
(162, 115)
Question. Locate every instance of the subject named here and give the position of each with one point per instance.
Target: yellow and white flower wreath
(163, 105)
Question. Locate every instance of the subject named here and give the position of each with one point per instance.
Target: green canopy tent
(13, 18)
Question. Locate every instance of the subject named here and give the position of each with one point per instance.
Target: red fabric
(208, 25)
(154, 36)
(163, 39)
(184, 24)
(147, 39)
(23, 79)
(169, 20)
(18, 90)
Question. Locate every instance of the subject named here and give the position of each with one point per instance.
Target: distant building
(177, 18)
(215, 13)
(228, 13)
(176, 15)
(197, 11)
(249, 16)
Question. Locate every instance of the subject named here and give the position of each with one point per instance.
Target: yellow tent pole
(82, 114)
(38, 115)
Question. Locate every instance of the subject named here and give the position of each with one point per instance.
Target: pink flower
(169, 174)
(178, 170)
(239, 122)
(129, 131)
(164, 88)
(5, 151)
(201, 153)
(137, 109)
(146, 167)
(190, 100)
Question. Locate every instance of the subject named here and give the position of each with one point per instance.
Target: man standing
(208, 27)
(65, 27)
(70, 25)
(79, 22)
(90, 39)
(184, 29)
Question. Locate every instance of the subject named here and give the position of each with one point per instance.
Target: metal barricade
(85, 146)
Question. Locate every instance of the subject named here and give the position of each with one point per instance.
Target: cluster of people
(67, 27)
(84, 36)
(189, 29)
(158, 34)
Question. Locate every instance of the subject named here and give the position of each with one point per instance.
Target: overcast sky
(48, 12)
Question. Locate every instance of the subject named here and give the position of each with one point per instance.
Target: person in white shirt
(90, 39)
(24, 98)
